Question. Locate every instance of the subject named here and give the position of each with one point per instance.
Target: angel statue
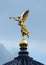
(21, 19)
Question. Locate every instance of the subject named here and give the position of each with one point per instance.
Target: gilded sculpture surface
(21, 19)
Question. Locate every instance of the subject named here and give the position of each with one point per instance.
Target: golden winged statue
(21, 19)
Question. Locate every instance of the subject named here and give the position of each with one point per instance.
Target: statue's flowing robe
(24, 31)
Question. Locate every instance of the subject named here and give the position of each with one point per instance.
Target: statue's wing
(24, 15)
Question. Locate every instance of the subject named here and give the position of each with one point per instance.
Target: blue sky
(10, 34)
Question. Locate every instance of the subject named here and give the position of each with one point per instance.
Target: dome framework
(23, 57)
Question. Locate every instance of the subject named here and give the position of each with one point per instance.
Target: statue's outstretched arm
(15, 19)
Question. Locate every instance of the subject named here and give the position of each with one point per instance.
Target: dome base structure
(23, 57)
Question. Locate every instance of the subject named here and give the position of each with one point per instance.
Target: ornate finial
(21, 19)
(23, 43)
